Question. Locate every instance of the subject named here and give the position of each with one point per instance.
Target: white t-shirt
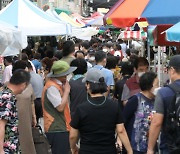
(7, 74)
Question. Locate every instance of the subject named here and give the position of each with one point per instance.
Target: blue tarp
(173, 33)
(162, 12)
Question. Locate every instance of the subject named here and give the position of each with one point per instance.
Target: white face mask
(140, 74)
(155, 91)
(91, 58)
(105, 50)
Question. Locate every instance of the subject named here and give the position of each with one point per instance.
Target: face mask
(140, 74)
(155, 91)
(91, 58)
(105, 50)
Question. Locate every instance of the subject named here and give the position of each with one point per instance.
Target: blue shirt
(107, 74)
(37, 83)
(36, 64)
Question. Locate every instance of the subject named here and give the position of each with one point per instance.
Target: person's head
(91, 55)
(106, 47)
(85, 46)
(29, 66)
(174, 68)
(79, 54)
(37, 56)
(8, 60)
(19, 81)
(141, 66)
(24, 57)
(100, 58)
(149, 82)
(128, 52)
(58, 54)
(20, 64)
(68, 48)
(95, 82)
(49, 53)
(111, 62)
(118, 46)
(81, 65)
(47, 63)
(134, 52)
(60, 70)
(120, 41)
(127, 68)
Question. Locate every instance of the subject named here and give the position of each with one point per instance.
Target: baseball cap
(175, 61)
(93, 75)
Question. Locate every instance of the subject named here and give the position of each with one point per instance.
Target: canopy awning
(136, 35)
(63, 16)
(60, 10)
(173, 33)
(31, 20)
(11, 40)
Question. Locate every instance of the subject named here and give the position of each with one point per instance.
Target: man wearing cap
(162, 103)
(55, 107)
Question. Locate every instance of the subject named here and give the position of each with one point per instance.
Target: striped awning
(136, 35)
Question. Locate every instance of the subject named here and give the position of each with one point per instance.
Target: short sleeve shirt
(109, 79)
(96, 124)
(8, 112)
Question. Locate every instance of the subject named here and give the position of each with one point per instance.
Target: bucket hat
(60, 68)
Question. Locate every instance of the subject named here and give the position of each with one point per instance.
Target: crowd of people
(91, 97)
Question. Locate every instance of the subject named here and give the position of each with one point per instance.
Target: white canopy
(11, 40)
(31, 20)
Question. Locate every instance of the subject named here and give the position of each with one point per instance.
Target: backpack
(172, 125)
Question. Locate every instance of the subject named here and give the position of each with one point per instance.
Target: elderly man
(55, 107)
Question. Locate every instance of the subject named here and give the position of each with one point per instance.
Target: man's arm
(65, 97)
(73, 138)
(123, 137)
(59, 102)
(125, 94)
(34, 121)
(154, 131)
(2, 132)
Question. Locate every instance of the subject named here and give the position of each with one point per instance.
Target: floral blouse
(8, 112)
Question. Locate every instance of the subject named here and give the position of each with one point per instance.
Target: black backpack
(172, 125)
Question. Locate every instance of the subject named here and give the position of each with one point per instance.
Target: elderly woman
(138, 112)
(97, 119)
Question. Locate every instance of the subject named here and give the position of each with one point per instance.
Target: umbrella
(173, 33)
(156, 12)
(159, 12)
(11, 40)
(128, 12)
(116, 5)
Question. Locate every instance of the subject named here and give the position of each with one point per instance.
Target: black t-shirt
(96, 123)
(119, 89)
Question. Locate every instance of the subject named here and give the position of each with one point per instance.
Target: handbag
(40, 141)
